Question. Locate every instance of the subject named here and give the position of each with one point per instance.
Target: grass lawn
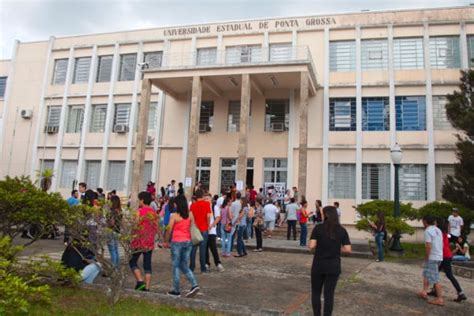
(78, 302)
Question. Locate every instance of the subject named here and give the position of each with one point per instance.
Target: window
(280, 52)
(277, 115)
(374, 54)
(203, 171)
(275, 170)
(81, 70)
(408, 53)
(46, 164)
(376, 181)
(116, 175)
(54, 116)
(440, 120)
(375, 114)
(153, 59)
(99, 114)
(121, 116)
(147, 168)
(60, 70)
(206, 56)
(206, 117)
(470, 48)
(104, 68)
(445, 52)
(92, 173)
(151, 116)
(75, 119)
(411, 113)
(228, 172)
(342, 181)
(442, 171)
(342, 114)
(128, 65)
(3, 86)
(233, 118)
(243, 54)
(413, 182)
(68, 174)
(342, 56)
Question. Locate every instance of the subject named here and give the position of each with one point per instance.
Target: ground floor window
(342, 181)
(442, 171)
(413, 182)
(116, 175)
(203, 171)
(68, 174)
(376, 181)
(92, 173)
(275, 170)
(228, 172)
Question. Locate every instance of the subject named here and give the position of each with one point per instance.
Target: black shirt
(327, 258)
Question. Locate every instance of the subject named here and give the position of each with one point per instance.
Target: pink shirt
(146, 230)
(182, 230)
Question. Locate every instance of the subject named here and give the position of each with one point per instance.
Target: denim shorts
(431, 271)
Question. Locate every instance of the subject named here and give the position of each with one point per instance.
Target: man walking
(201, 211)
(291, 218)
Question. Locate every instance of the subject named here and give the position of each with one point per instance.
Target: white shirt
(434, 236)
(338, 212)
(455, 223)
(270, 211)
(220, 201)
(171, 191)
(217, 213)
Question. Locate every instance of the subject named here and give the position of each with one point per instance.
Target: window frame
(130, 68)
(403, 57)
(333, 117)
(79, 119)
(343, 183)
(71, 176)
(60, 62)
(342, 59)
(370, 124)
(382, 185)
(405, 183)
(107, 72)
(283, 119)
(406, 123)
(81, 74)
(206, 56)
(206, 114)
(203, 168)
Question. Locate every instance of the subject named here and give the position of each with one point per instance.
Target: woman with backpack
(226, 226)
(379, 233)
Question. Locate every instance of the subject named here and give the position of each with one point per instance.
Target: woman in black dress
(328, 240)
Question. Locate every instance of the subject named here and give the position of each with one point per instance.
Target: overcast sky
(33, 20)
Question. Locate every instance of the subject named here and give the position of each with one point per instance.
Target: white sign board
(240, 185)
(188, 182)
(279, 191)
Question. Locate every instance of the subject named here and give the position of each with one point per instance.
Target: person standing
(74, 198)
(259, 225)
(270, 212)
(214, 220)
(304, 223)
(379, 233)
(201, 211)
(456, 225)
(291, 218)
(172, 189)
(433, 258)
(114, 222)
(242, 227)
(180, 224)
(144, 241)
(226, 226)
(339, 213)
(235, 209)
(327, 241)
(252, 195)
(82, 190)
(318, 214)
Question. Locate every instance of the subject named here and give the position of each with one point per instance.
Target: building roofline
(256, 19)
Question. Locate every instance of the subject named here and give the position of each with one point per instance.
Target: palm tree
(45, 177)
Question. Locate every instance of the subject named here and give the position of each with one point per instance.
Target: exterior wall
(25, 143)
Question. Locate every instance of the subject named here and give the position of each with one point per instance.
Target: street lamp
(396, 154)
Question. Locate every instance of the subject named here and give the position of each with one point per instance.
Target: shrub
(443, 210)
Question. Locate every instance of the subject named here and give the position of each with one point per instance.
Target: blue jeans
(202, 253)
(180, 252)
(379, 241)
(225, 241)
(460, 258)
(240, 240)
(114, 251)
(304, 234)
(90, 272)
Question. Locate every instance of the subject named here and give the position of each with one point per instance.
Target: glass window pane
(68, 174)
(3, 86)
(410, 113)
(104, 68)
(374, 54)
(408, 53)
(206, 117)
(342, 181)
(60, 70)
(206, 56)
(376, 181)
(445, 52)
(342, 114)
(116, 175)
(280, 52)
(342, 56)
(128, 65)
(81, 69)
(277, 115)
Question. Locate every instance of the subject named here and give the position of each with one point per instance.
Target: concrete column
(220, 50)
(463, 44)
(303, 139)
(160, 114)
(193, 60)
(266, 47)
(140, 146)
(358, 165)
(193, 133)
(294, 44)
(325, 166)
(391, 102)
(243, 130)
(291, 140)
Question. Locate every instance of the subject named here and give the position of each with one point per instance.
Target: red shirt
(446, 250)
(304, 217)
(146, 230)
(253, 195)
(200, 209)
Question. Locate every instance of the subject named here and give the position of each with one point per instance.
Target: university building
(314, 102)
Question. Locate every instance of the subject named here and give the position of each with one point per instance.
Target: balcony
(271, 68)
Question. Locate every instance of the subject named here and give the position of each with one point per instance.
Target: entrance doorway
(249, 178)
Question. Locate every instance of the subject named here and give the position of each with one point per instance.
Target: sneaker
(460, 298)
(208, 266)
(256, 250)
(220, 267)
(192, 292)
(174, 294)
(260, 250)
(140, 286)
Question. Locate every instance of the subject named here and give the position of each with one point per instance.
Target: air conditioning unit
(278, 127)
(121, 128)
(52, 129)
(150, 140)
(26, 114)
(204, 128)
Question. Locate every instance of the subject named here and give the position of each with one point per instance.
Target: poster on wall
(278, 192)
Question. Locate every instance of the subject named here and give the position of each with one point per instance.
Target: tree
(459, 188)
(443, 210)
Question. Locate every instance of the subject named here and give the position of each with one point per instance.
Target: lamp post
(396, 154)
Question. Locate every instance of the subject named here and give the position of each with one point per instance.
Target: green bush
(443, 210)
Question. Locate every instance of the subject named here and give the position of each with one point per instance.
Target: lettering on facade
(251, 26)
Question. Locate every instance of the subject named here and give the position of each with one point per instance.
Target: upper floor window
(153, 59)
(206, 118)
(121, 117)
(203, 171)
(408, 53)
(233, 118)
(342, 56)
(342, 181)
(440, 119)
(445, 52)
(54, 116)
(342, 114)
(81, 69)
(104, 68)
(376, 181)
(3, 86)
(128, 65)
(410, 113)
(75, 119)
(375, 114)
(206, 56)
(413, 183)
(280, 51)
(98, 116)
(243, 54)
(374, 54)
(60, 70)
(470, 48)
(275, 170)
(277, 115)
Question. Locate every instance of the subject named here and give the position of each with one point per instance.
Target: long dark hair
(182, 206)
(331, 222)
(116, 203)
(380, 218)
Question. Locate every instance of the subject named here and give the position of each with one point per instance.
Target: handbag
(196, 236)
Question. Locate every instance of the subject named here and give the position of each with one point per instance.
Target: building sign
(271, 25)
